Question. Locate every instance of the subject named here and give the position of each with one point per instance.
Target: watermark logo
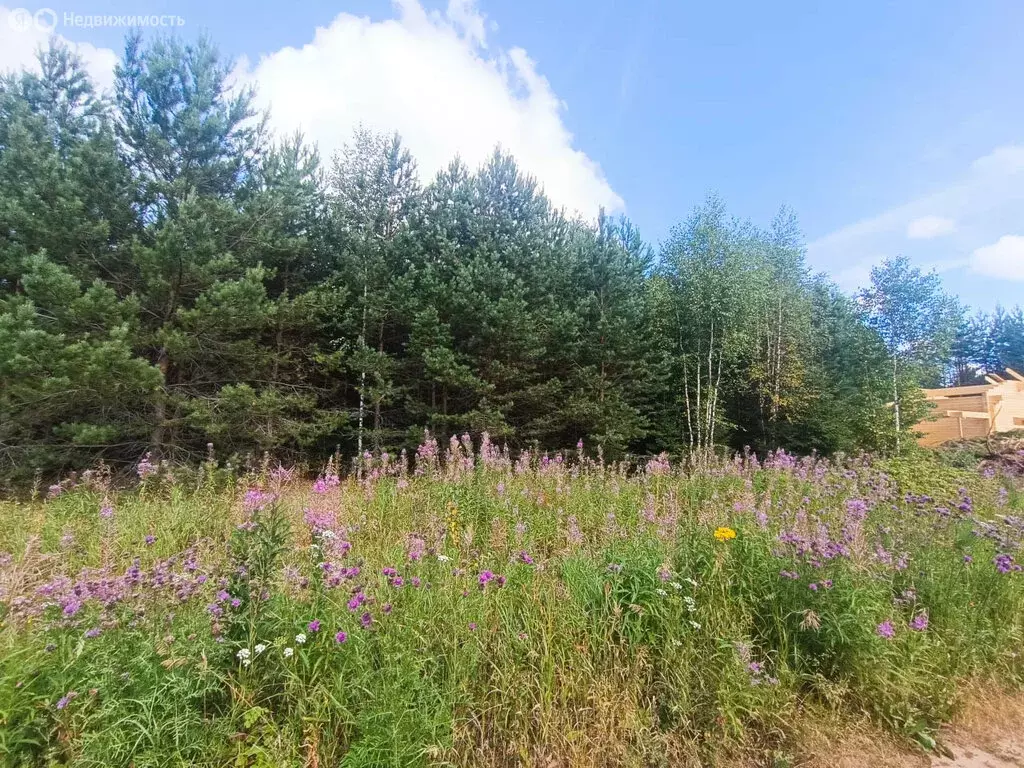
(24, 20)
(46, 20)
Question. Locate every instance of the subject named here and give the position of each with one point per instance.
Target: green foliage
(170, 278)
(497, 623)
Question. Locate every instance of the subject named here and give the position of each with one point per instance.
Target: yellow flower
(724, 534)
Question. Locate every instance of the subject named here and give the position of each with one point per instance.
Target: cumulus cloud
(927, 227)
(1002, 259)
(21, 37)
(433, 77)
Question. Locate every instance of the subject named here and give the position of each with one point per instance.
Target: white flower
(691, 582)
(694, 624)
(243, 653)
(676, 585)
(677, 643)
(300, 638)
(288, 652)
(246, 662)
(260, 648)
(443, 558)
(328, 534)
(661, 592)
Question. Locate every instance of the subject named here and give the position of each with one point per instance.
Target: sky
(888, 128)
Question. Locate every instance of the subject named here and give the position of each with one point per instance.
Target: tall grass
(480, 611)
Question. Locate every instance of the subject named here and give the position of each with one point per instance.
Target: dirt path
(1008, 753)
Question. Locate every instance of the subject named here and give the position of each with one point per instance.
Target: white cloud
(1003, 259)
(430, 76)
(21, 38)
(927, 227)
(985, 200)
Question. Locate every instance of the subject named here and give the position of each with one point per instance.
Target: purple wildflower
(886, 629)
(340, 637)
(64, 700)
(93, 632)
(524, 557)
(920, 622)
(366, 620)
(150, 540)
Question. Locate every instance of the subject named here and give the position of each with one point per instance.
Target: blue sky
(888, 127)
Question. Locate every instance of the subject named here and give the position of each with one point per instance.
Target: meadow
(465, 607)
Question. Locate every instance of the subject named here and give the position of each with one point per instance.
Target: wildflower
(150, 540)
(1004, 563)
(968, 559)
(664, 573)
(472, 626)
(340, 637)
(260, 648)
(288, 652)
(387, 608)
(313, 626)
(724, 534)
(524, 557)
(300, 638)
(522, 635)
(443, 558)
(397, 581)
(691, 582)
(676, 585)
(661, 592)
(812, 587)
(614, 568)
(920, 622)
(94, 632)
(243, 654)
(885, 630)
(415, 581)
(236, 602)
(366, 620)
(755, 668)
(64, 700)
(107, 510)
(357, 600)
(827, 583)
(484, 577)
(694, 624)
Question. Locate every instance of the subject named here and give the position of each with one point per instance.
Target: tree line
(171, 276)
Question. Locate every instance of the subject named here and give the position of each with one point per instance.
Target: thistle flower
(340, 637)
(920, 622)
(314, 625)
(885, 630)
(366, 620)
(64, 700)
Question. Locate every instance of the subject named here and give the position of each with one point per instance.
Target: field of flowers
(476, 609)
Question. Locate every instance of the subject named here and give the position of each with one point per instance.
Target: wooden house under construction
(964, 413)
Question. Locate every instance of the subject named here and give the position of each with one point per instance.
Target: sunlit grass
(498, 614)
